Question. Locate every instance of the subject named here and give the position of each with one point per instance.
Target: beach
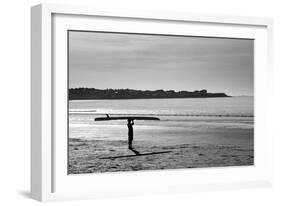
(191, 133)
(88, 156)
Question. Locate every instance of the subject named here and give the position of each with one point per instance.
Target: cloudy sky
(135, 61)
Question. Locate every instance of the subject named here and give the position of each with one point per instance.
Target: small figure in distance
(131, 136)
(130, 133)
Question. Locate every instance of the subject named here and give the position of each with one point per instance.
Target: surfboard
(125, 118)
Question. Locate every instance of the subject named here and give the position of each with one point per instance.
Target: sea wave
(93, 112)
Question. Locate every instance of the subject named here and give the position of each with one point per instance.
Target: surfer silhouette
(131, 136)
(130, 124)
(130, 133)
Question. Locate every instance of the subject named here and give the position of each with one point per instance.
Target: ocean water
(220, 121)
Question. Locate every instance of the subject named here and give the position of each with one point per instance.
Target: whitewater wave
(93, 112)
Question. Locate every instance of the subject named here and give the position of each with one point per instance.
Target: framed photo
(136, 102)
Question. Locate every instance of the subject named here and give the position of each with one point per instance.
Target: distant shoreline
(153, 98)
(120, 94)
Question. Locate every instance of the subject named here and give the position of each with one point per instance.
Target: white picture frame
(49, 179)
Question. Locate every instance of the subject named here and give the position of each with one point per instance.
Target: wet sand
(91, 156)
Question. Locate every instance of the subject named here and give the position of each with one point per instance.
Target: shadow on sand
(137, 154)
(134, 151)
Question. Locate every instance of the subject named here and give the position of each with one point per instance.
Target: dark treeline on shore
(92, 93)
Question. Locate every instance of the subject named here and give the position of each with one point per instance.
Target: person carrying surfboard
(130, 124)
(130, 133)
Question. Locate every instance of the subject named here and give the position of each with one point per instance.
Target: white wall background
(15, 95)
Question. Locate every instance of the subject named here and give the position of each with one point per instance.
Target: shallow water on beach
(223, 121)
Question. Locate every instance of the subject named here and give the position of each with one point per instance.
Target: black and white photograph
(141, 102)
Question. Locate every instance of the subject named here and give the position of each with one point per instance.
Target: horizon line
(234, 95)
(138, 89)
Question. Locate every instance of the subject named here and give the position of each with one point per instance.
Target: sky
(150, 62)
